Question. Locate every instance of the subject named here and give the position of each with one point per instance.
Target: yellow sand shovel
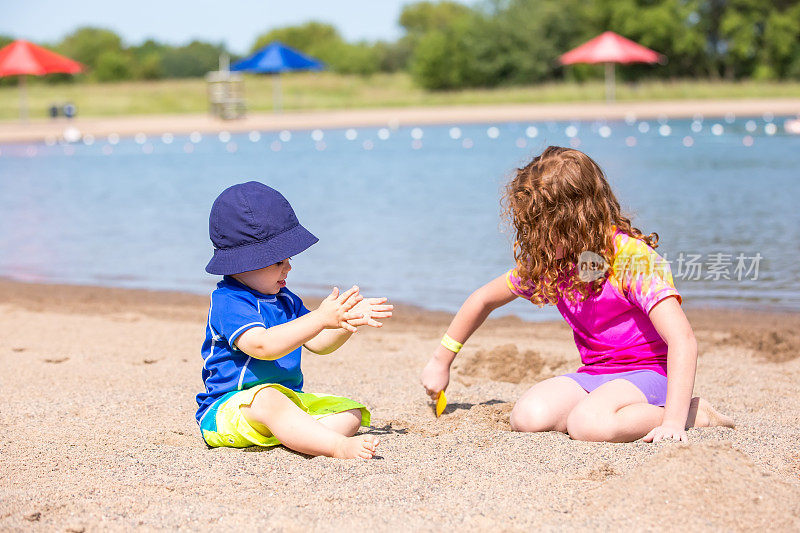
(441, 403)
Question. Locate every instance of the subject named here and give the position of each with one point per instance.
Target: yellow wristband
(451, 344)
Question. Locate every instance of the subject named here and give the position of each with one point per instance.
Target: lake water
(411, 213)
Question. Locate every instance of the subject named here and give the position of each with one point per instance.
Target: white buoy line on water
(575, 133)
(493, 132)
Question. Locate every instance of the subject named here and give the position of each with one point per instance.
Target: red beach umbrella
(610, 48)
(22, 58)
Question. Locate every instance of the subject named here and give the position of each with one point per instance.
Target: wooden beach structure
(225, 91)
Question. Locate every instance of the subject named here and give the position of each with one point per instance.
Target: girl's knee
(588, 423)
(532, 416)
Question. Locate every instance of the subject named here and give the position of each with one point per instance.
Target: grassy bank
(314, 91)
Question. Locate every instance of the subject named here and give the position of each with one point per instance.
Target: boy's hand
(336, 309)
(368, 310)
(435, 376)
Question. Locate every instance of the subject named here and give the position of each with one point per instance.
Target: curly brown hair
(560, 205)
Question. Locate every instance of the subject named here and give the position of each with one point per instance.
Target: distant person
(70, 110)
(576, 250)
(256, 328)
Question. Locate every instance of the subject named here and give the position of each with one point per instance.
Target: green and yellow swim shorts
(224, 425)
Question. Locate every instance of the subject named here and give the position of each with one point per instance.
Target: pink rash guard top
(612, 329)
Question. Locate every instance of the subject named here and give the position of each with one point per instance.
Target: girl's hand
(664, 432)
(336, 310)
(368, 310)
(435, 376)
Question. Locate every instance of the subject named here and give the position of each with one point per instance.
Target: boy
(256, 328)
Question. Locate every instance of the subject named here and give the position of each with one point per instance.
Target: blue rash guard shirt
(234, 309)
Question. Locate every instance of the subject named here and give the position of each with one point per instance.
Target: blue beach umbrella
(275, 58)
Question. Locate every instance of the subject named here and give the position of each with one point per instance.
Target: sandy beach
(99, 432)
(40, 130)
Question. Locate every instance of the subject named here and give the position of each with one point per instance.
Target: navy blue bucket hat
(253, 226)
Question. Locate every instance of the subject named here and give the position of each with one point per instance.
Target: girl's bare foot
(359, 446)
(703, 415)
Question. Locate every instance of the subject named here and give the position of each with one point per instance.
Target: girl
(575, 249)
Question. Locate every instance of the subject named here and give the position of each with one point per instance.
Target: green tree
(759, 38)
(360, 58)
(519, 41)
(393, 57)
(422, 17)
(782, 41)
(5, 40)
(310, 38)
(439, 36)
(113, 65)
(148, 58)
(323, 42)
(192, 60)
(150, 46)
(506, 42)
(752, 37)
(87, 44)
(527, 36)
(439, 60)
(150, 67)
(742, 31)
(731, 38)
(671, 27)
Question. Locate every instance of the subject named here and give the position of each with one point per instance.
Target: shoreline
(773, 335)
(90, 295)
(126, 126)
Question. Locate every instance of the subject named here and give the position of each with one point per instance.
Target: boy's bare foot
(702, 415)
(359, 446)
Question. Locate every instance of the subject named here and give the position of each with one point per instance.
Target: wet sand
(39, 130)
(99, 432)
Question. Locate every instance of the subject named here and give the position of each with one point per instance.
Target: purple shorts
(652, 384)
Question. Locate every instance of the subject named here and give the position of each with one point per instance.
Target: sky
(235, 22)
